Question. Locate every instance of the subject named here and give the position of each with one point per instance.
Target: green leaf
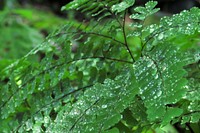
(160, 76)
(170, 114)
(99, 108)
(143, 12)
(113, 130)
(150, 5)
(122, 6)
(138, 16)
(86, 81)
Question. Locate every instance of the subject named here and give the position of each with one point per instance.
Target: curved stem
(125, 39)
(105, 36)
(189, 127)
(92, 33)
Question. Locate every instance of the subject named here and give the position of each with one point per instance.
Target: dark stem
(90, 33)
(123, 29)
(108, 9)
(189, 127)
(105, 36)
(124, 34)
(189, 113)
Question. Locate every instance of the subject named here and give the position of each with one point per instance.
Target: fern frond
(98, 109)
(100, 86)
(144, 12)
(171, 27)
(160, 76)
(32, 84)
(92, 7)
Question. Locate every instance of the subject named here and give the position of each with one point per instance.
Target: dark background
(168, 6)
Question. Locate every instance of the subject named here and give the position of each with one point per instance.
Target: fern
(104, 111)
(121, 78)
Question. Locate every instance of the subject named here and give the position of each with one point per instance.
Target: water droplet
(150, 64)
(169, 23)
(159, 93)
(145, 88)
(197, 57)
(151, 30)
(141, 91)
(161, 36)
(46, 120)
(75, 112)
(164, 68)
(186, 86)
(154, 72)
(134, 66)
(104, 106)
(143, 97)
(92, 128)
(111, 95)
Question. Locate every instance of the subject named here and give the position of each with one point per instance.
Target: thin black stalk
(189, 127)
(115, 17)
(90, 33)
(105, 36)
(125, 39)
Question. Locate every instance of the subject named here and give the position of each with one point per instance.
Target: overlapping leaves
(160, 76)
(99, 108)
(79, 91)
(143, 12)
(180, 24)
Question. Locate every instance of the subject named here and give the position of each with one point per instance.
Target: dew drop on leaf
(161, 36)
(159, 93)
(156, 76)
(141, 91)
(46, 119)
(104, 106)
(150, 64)
(197, 57)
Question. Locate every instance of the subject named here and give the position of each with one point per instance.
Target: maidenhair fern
(121, 77)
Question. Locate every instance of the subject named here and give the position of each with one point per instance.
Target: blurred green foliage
(40, 19)
(17, 38)
(22, 29)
